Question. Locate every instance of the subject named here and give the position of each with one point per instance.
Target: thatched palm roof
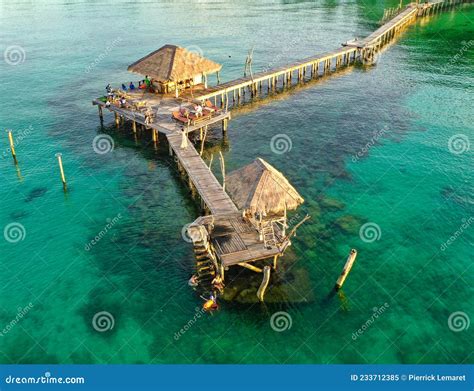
(259, 187)
(173, 63)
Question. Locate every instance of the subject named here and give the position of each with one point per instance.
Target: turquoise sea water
(369, 146)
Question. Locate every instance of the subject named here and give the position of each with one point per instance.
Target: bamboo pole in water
(61, 170)
(12, 145)
(347, 268)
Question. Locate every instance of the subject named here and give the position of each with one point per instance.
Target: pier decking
(234, 240)
(200, 177)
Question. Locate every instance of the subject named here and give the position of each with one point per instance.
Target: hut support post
(275, 261)
(264, 284)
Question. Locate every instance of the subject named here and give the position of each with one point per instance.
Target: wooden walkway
(201, 177)
(229, 93)
(240, 243)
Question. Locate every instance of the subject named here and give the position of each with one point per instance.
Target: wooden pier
(225, 236)
(200, 177)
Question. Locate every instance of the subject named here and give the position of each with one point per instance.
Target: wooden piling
(264, 284)
(12, 145)
(61, 170)
(347, 268)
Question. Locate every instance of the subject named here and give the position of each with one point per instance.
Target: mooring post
(12, 145)
(347, 268)
(101, 115)
(224, 125)
(134, 127)
(61, 170)
(117, 119)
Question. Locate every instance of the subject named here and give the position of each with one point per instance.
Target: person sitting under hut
(123, 102)
(147, 81)
(198, 110)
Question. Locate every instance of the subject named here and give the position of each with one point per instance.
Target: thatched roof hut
(259, 187)
(172, 64)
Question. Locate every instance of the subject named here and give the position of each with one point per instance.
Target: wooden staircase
(205, 265)
(268, 234)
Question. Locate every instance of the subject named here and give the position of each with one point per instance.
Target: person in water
(211, 304)
(218, 284)
(108, 88)
(193, 281)
(132, 86)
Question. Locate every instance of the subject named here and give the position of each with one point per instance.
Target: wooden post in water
(12, 145)
(264, 284)
(101, 115)
(117, 120)
(61, 170)
(221, 157)
(347, 268)
(134, 127)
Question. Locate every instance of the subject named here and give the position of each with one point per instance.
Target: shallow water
(368, 146)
